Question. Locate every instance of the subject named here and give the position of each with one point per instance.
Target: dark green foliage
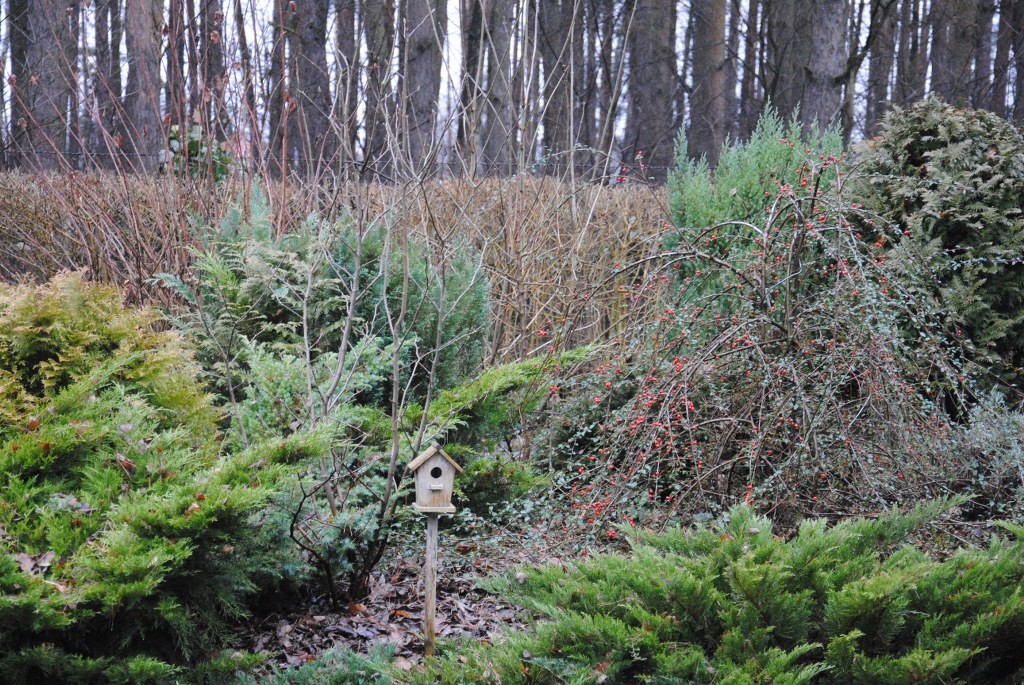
(854, 603)
(329, 288)
(951, 182)
(746, 174)
(125, 538)
(339, 332)
(710, 208)
(495, 487)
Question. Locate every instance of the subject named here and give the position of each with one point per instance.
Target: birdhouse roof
(428, 453)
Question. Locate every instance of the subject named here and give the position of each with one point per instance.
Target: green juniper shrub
(342, 332)
(700, 197)
(734, 603)
(495, 487)
(127, 540)
(709, 206)
(324, 287)
(950, 183)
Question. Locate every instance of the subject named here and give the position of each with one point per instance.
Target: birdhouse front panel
(435, 481)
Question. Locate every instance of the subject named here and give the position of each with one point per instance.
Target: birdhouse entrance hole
(436, 472)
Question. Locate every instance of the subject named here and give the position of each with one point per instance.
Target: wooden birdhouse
(435, 480)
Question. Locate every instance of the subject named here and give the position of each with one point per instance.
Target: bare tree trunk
(379, 34)
(981, 87)
(1004, 42)
(248, 87)
(497, 131)
(425, 23)
(43, 56)
(650, 124)
(1016, 17)
(216, 121)
(912, 61)
(707, 102)
(471, 92)
(610, 77)
(174, 95)
(732, 61)
(826, 54)
(785, 58)
(612, 52)
(557, 34)
(313, 89)
(74, 150)
(347, 80)
(882, 55)
(279, 101)
(144, 131)
(954, 37)
(106, 85)
(750, 96)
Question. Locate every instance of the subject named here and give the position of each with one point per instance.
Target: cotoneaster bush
(799, 368)
(128, 541)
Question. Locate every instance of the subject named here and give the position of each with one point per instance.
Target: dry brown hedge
(557, 255)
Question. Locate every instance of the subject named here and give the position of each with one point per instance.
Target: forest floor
(392, 614)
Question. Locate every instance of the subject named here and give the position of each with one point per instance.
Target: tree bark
(312, 90)
(981, 87)
(954, 37)
(1004, 43)
(379, 34)
(497, 131)
(559, 31)
(912, 59)
(882, 58)
(732, 62)
(346, 81)
(425, 23)
(248, 88)
(43, 57)
(785, 57)
(144, 132)
(826, 54)
(650, 125)
(751, 100)
(175, 92)
(707, 101)
(216, 122)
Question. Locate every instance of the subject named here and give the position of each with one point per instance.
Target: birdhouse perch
(435, 475)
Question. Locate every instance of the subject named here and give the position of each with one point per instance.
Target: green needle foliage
(951, 181)
(126, 546)
(852, 604)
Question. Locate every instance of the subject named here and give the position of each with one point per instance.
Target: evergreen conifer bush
(734, 603)
(951, 183)
(126, 546)
(344, 333)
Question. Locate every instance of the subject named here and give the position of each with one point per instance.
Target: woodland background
(391, 89)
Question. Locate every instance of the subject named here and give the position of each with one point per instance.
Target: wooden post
(430, 587)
